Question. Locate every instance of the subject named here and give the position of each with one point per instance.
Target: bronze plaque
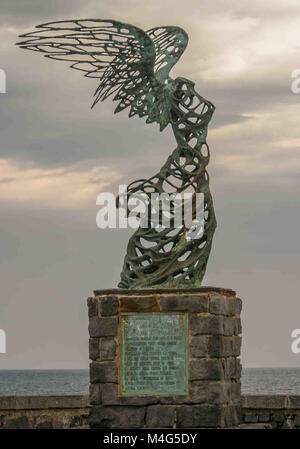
(154, 353)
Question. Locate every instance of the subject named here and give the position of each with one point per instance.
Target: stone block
(288, 424)
(182, 303)
(278, 417)
(110, 394)
(297, 420)
(220, 346)
(175, 400)
(250, 418)
(159, 416)
(211, 393)
(235, 392)
(103, 372)
(17, 423)
(107, 349)
(94, 348)
(116, 417)
(232, 368)
(236, 345)
(229, 326)
(139, 303)
(232, 415)
(222, 305)
(92, 307)
(238, 326)
(235, 368)
(206, 369)
(139, 400)
(103, 327)
(23, 402)
(263, 417)
(96, 394)
(200, 416)
(206, 325)
(264, 401)
(109, 306)
(238, 306)
(198, 346)
(63, 402)
(78, 421)
(45, 425)
(294, 401)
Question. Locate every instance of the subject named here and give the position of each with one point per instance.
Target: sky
(57, 155)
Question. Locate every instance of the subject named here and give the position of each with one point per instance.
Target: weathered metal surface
(154, 353)
(134, 66)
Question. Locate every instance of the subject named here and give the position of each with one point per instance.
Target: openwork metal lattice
(133, 66)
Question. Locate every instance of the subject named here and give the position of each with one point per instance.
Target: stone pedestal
(165, 358)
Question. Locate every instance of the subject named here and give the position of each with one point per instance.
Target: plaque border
(121, 355)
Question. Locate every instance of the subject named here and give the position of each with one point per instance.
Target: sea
(59, 382)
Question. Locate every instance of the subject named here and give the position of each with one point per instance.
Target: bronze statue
(134, 65)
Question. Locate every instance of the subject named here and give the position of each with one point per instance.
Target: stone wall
(44, 412)
(213, 398)
(67, 412)
(271, 411)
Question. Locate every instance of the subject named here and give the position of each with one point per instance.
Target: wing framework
(131, 64)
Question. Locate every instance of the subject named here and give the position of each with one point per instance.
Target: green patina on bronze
(154, 356)
(134, 65)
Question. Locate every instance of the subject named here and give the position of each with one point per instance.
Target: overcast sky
(57, 155)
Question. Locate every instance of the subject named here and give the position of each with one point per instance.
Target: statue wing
(122, 56)
(170, 43)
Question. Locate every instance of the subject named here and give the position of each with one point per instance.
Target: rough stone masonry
(213, 394)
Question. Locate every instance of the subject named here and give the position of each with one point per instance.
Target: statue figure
(134, 65)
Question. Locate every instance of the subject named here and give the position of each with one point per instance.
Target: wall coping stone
(44, 402)
(270, 401)
(174, 291)
(249, 401)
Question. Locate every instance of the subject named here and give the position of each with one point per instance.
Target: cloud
(55, 188)
(261, 147)
(6, 180)
(15, 12)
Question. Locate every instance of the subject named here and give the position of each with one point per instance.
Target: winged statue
(133, 67)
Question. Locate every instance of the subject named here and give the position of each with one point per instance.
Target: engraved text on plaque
(154, 353)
